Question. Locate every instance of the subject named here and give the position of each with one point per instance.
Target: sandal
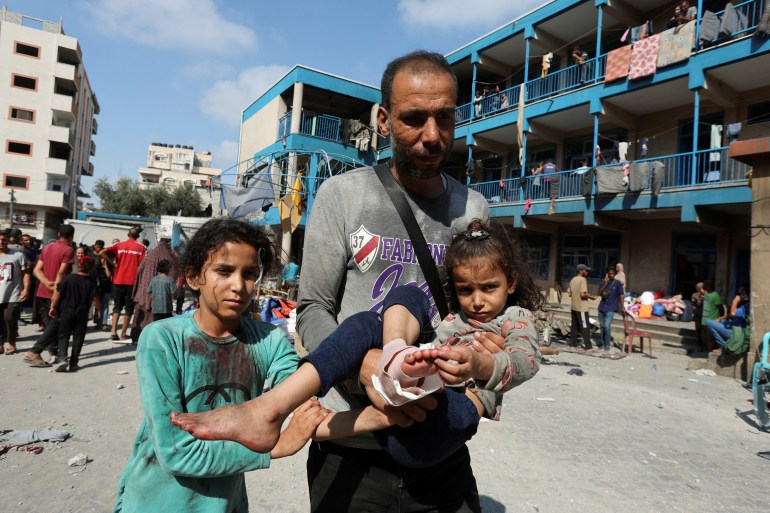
(41, 364)
(10, 349)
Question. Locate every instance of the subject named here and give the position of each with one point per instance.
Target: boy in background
(72, 303)
(162, 289)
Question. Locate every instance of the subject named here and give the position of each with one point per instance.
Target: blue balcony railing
(322, 126)
(568, 78)
(463, 113)
(712, 167)
(749, 14)
(284, 125)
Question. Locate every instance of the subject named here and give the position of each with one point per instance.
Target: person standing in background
(578, 291)
(289, 276)
(14, 289)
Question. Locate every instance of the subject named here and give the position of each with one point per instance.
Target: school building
(649, 110)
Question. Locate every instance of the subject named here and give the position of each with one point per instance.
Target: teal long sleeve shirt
(182, 369)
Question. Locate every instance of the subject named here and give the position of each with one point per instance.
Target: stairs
(679, 337)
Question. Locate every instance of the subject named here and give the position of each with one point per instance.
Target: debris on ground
(31, 436)
(120, 386)
(705, 372)
(547, 399)
(551, 361)
(78, 460)
(576, 372)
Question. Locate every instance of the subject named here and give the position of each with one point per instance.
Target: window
(169, 181)
(24, 82)
(597, 250)
(15, 182)
(22, 114)
(538, 252)
(28, 50)
(20, 148)
(27, 218)
(758, 113)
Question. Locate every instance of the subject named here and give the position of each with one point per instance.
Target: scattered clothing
(733, 21)
(709, 28)
(31, 436)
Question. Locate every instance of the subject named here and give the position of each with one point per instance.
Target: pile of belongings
(656, 307)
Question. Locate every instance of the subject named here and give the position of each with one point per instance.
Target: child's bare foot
(253, 424)
(420, 363)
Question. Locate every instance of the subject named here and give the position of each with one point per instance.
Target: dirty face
(482, 290)
(227, 284)
(420, 122)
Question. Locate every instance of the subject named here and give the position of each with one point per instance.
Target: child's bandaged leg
(395, 387)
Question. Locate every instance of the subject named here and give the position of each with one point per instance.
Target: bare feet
(420, 363)
(254, 424)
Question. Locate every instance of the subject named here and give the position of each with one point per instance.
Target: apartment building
(48, 107)
(655, 126)
(176, 165)
(310, 124)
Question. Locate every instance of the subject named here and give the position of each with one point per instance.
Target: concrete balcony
(62, 105)
(149, 172)
(89, 171)
(56, 167)
(64, 71)
(62, 134)
(94, 127)
(92, 151)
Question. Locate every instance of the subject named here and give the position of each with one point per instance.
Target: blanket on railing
(644, 57)
(676, 44)
(618, 63)
(609, 180)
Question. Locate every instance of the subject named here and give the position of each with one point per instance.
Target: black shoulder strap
(427, 264)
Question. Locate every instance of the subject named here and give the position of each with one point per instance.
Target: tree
(128, 198)
(184, 199)
(125, 197)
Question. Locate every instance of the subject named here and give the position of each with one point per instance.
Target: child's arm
(55, 300)
(162, 393)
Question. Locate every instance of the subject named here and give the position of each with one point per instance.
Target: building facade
(634, 110)
(47, 124)
(175, 165)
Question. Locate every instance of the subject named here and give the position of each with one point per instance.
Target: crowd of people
(65, 286)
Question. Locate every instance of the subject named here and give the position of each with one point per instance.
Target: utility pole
(13, 200)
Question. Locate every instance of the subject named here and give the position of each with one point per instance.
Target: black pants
(49, 340)
(9, 324)
(580, 322)
(342, 479)
(161, 316)
(72, 322)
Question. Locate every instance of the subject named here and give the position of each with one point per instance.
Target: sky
(182, 71)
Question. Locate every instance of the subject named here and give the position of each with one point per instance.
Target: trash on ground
(705, 372)
(122, 372)
(660, 405)
(547, 399)
(120, 386)
(31, 436)
(575, 372)
(78, 460)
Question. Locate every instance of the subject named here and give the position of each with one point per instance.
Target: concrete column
(296, 107)
(374, 126)
(756, 152)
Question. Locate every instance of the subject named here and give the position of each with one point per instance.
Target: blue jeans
(605, 322)
(719, 332)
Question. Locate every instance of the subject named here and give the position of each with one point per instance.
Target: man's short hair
(417, 62)
(133, 232)
(15, 233)
(6, 233)
(99, 242)
(66, 231)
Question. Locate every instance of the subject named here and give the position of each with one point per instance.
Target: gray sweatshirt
(357, 250)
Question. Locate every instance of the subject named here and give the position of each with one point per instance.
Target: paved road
(619, 437)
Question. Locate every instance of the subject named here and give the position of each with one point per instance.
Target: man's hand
(52, 312)
(404, 415)
(23, 296)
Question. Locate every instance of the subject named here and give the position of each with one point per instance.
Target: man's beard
(403, 160)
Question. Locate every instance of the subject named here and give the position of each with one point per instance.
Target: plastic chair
(631, 331)
(760, 385)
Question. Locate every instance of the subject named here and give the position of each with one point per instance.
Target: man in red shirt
(53, 264)
(128, 255)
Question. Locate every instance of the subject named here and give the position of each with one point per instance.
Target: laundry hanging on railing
(638, 176)
(622, 151)
(618, 63)
(609, 180)
(640, 32)
(676, 44)
(587, 182)
(357, 133)
(644, 57)
(645, 140)
(733, 131)
(763, 29)
(733, 21)
(658, 171)
(709, 27)
(715, 142)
